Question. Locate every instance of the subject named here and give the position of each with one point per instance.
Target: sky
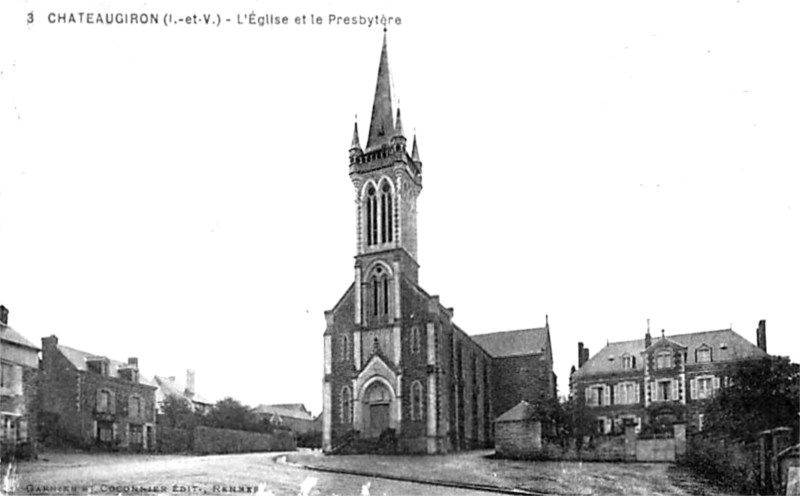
(180, 193)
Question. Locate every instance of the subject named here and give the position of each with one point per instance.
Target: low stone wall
(523, 440)
(173, 440)
(209, 440)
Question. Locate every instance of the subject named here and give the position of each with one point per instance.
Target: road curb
(449, 484)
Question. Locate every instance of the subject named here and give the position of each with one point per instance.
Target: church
(395, 362)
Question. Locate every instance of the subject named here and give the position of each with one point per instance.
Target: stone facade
(395, 362)
(19, 363)
(655, 383)
(89, 400)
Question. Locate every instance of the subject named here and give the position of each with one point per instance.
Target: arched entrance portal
(377, 401)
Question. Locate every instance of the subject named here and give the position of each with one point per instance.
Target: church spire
(355, 146)
(381, 127)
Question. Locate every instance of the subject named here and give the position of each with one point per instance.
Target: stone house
(171, 387)
(292, 416)
(90, 400)
(19, 363)
(395, 361)
(657, 382)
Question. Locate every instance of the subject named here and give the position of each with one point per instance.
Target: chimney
(49, 342)
(648, 339)
(761, 335)
(134, 362)
(585, 355)
(580, 354)
(3, 315)
(189, 382)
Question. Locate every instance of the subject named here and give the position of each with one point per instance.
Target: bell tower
(387, 180)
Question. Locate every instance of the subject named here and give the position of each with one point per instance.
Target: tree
(176, 412)
(764, 394)
(230, 414)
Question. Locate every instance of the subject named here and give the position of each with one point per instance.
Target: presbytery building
(654, 382)
(396, 365)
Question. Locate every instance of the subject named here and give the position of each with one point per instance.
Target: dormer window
(98, 365)
(703, 355)
(664, 359)
(628, 362)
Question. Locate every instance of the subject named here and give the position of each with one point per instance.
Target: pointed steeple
(381, 127)
(355, 146)
(415, 150)
(398, 125)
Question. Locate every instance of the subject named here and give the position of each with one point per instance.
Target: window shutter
(636, 392)
(112, 403)
(17, 384)
(114, 432)
(607, 425)
(716, 384)
(23, 430)
(633, 362)
(675, 392)
(693, 388)
(587, 396)
(606, 395)
(98, 401)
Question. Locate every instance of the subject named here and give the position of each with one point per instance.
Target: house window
(626, 394)
(663, 389)
(8, 430)
(347, 406)
(136, 434)
(705, 387)
(415, 340)
(704, 355)
(135, 407)
(664, 360)
(6, 375)
(598, 396)
(103, 401)
(105, 432)
(700, 421)
(416, 401)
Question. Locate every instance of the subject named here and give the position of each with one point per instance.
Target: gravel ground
(259, 473)
(536, 477)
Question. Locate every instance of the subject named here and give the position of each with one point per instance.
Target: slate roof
(514, 343)
(294, 410)
(737, 348)
(169, 386)
(520, 411)
(78, 359)
(7, 333)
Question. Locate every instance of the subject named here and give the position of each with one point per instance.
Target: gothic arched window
(386, 213)
(379, 286)
(347, 406)
(344, 350)
(372, 217)
(417, 403)
(415, 340)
